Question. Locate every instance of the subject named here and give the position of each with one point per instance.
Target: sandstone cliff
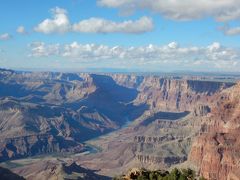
(216, 151)
(170, 94)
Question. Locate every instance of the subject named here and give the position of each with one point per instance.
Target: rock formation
(6, 174)
(55, 170)
(55, 112)
(216, 151)
(46, 112)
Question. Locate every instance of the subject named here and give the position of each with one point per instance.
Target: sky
(120, 35)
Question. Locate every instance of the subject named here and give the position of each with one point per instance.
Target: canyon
(144, 121)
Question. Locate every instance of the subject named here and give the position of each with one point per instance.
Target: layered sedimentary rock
(160, 138)
(169, 93)
(217, 150)
(156, 141)
(177, 95)
(29, 129)
(56, 112)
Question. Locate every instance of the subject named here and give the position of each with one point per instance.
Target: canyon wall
(217, 150)
(169, 94)
(56, 112)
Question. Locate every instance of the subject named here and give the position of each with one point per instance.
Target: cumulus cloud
(58, 24)
(173, 45)
(21, 30)
(99, 25)
(214, 54)
(5, 36)
(217, 52)
(40, 49)
(223, 10)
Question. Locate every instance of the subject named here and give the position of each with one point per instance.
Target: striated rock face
(158, 141)
(177, 95)
(201, 110)
(170, 94)
(29, 129)
(217, 150)
(159, 138)
(19, 147)
(56, 112)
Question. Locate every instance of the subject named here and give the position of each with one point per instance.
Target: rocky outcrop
(201, 110)
(24, 146)
(148, 159)
(153, 139)
(6, 174)
(57, 169)
(216, 151)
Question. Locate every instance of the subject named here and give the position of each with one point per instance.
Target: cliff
(216, 151)
(169, 93)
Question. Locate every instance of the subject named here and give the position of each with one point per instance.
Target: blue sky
(133, 35)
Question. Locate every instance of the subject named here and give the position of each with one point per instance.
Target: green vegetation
(175, 174)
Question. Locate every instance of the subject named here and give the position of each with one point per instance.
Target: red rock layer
(217, 150)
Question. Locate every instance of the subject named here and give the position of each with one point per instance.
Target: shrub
(175, 174)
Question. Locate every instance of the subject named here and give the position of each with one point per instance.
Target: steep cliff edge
(217, 150)
(170, 94)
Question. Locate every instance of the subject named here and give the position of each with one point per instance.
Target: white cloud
(217, 52)
(232, 31)
(59, 24)
(21, 30)
(221, 10)
(216, 46)
(40, 49)
(5, 36)
(99, 25)
(92, 51)
(173, 45)
(115, 3)
(214, 55)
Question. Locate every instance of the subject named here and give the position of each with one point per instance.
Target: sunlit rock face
(216, 151)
